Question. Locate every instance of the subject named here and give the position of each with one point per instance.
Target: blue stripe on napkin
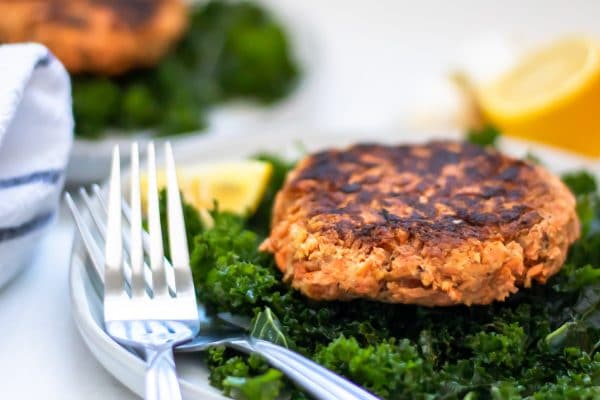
(49, 176)
(44, 61)
(23, 229)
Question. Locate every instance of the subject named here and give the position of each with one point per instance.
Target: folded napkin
(36, 134)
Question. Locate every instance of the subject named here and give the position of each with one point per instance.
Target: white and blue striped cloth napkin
(36, 134)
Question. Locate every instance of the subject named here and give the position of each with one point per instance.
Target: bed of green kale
(542, 343)
(232, 49)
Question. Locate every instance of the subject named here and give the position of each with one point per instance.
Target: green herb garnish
(486, 136)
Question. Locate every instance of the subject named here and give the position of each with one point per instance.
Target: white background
(370, 65)
(373, 60)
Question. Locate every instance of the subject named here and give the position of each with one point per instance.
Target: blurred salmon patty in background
(104, 37)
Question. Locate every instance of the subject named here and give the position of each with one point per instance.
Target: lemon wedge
(236, 186)
(552, 96)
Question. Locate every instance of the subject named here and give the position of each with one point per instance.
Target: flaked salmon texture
(437, 224)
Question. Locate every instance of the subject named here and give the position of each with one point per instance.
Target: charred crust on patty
(133, 13)
(453, 217)
(484, 195)
(57, 12)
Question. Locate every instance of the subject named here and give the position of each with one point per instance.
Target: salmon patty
(96, 36)
(438, 224)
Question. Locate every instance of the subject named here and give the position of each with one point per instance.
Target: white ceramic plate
(86, 304)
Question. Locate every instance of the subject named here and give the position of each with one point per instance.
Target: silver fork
(137, 280)
(150, 318)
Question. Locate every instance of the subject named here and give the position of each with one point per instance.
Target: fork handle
(161, 376)
(317, 380)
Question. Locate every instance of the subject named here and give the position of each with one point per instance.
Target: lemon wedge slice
(551, 96)
(236, 186)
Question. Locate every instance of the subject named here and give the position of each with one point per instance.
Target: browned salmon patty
(97, 36)
(437, 224)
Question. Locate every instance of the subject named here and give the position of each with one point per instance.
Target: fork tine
(180, 257)
(113, 274)
(100, 225)
(159, 284)
(145, 240)
(101, 228)
(100, 195)
(88, 240)
(95, 217)
(135, 241)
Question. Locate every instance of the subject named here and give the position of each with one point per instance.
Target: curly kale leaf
(506, 391)
(580, 277)
(140, 107)
(389, 369)
(226, 266)
(503, 348)
(243, 377)
(569, 387)
(228, 240)
(193, 223)
(573, 278)
(486, 136)
(260, 222)
(236, 285)
(224, 365)
(310, 324)
(584, 186)
(96, 103)
(587, 249)
(254, 58)
(580, 182)
(579, 380)
(266, 386)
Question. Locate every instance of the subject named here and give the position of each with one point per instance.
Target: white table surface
(42, 355)
(372, 59)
